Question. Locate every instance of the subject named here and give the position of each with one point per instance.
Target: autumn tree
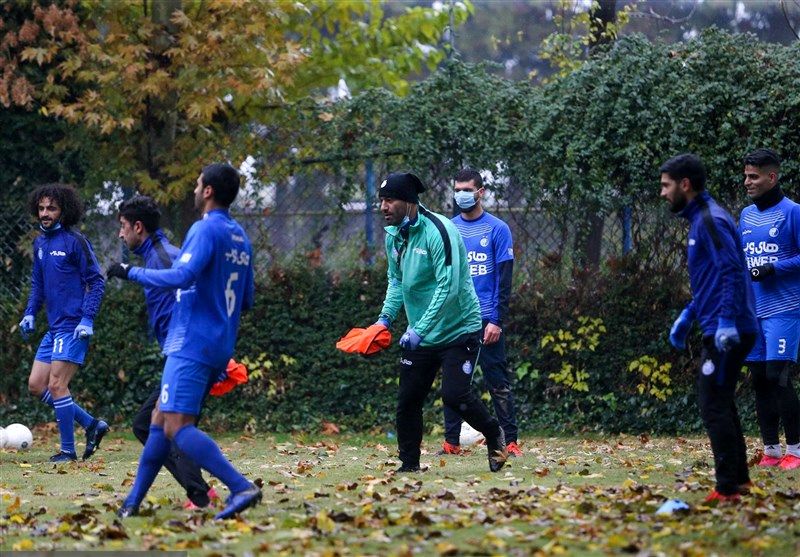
(158, 87)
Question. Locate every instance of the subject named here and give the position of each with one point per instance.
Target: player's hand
(680, 330)
(26, 326)
(118, 270)
(384, 321)
(491, 333)
(726, 336)
(83, 330)
(410, 339)
(762, 271)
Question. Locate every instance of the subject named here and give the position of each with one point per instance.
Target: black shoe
(64, 456)
(94, 435)
(496, 448)
(238, 502)
(126, 511)
(408, 468)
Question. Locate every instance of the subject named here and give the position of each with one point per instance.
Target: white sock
(772, 450)
(793, 450)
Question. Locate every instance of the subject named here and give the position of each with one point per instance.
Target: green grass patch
(338, 496)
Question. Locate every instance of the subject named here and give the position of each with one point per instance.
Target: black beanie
(404, 186)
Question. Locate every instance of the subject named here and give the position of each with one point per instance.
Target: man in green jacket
(428, 274)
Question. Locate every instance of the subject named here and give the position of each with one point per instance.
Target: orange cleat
(767, 460)
(447, 448)
(213, 498)
(789, 462)
(513, 449)
(720, 498)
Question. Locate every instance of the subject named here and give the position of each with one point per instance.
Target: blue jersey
(717, 269)
(488, 242)
(773, 236)
(66, 279)
(158, 253)
(214, 278)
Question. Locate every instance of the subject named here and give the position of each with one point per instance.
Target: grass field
(336, 496)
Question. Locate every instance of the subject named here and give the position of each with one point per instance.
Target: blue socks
(206, 453)
(65, 414)
(154, 454)
(81, 416)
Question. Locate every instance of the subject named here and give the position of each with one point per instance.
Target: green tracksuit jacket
(429, 275)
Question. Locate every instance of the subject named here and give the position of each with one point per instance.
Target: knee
(58, 386)
(457, 399)
(141, 427)
(36, 387)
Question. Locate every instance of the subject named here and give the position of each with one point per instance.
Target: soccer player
(428, 274)
(722, 303)
(770, 230)
(139, 219)
(214, 278)
(67, 280)
(490, 254)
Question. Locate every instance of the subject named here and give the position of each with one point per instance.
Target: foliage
(655, 379)
(162, 85)
(572, 347)
(332, 494)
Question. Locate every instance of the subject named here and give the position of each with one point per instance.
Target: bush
(300, 380)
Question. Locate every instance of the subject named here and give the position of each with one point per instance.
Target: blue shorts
(184, 384)
(62, 348)
(778, 339)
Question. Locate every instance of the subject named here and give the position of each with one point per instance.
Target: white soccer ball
(2, 437)
(18, 437)
(469, 435)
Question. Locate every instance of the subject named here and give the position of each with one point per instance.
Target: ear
(138, 227)
(685, 184)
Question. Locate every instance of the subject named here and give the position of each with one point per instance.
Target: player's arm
(791, 264)
(723, 244)
(194, 256)
(36, 295)
(444, 284)
(95, 283)
(393, 300)
(249, 289)
(503, 248)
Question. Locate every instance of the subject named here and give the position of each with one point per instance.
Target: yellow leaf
(23, 545)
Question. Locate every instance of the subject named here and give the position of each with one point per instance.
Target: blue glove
(726, 336)
(384, 321)
(26, 327)
(680, 330)
(410, 339)
(83, 330)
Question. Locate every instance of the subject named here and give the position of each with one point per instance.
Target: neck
(474, 213)
(769, 198)
(212, 205)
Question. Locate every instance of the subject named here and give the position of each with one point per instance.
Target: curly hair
(65, 196)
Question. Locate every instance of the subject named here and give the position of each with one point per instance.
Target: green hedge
(289, 338)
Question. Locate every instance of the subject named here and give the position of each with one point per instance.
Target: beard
(678, 205)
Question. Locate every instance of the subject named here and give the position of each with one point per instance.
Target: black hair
(686, 165)
(224, 179)
(142, 208)
(469, 175)
(65, 196)
(761, 158)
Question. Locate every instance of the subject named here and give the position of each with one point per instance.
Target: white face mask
(465, 200)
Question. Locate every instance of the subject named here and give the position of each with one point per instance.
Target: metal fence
(306, 222)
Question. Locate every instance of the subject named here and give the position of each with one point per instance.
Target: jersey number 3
(230, 294)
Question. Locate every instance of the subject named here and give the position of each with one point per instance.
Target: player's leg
(458, 365)
(417, 372)
(182, 468)
(716, 383)
(494, 366)
(180, 406)
(40, 371)
(61, 372)
(767, 414)
(783, 337)
(452, 432)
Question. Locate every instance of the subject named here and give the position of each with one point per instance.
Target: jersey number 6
(230, 294)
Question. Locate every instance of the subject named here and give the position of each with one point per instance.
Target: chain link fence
(306, 222)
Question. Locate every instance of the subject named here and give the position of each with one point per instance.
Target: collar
(701, 200)
(220, 212)
(52, 230)
(147, 245)
(769, 198)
